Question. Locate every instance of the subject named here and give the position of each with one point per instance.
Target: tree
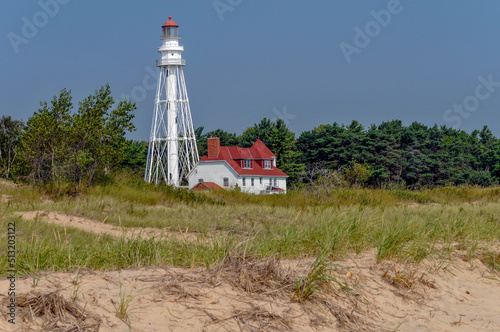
(58, 146)
(476, 178)
(263, 130)
(321, 181)
(134, 156)
(10, 131)
(99, 135)
(386, 159)
(415, 156)
(45, 142)
(282, 144)
(198, 134)
(356, 174)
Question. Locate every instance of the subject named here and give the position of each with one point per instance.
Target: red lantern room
(170, 29)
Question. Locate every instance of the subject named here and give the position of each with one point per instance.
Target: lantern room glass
(170, 32)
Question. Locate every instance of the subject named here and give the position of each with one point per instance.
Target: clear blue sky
(247, 60)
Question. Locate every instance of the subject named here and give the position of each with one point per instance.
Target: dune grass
(401, 225)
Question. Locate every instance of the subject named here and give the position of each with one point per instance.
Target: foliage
(45, 142)
(356, 174)
(58, 146)
(9, 139)
(476, 178)
(135, 154)
(416, 156)
(282, 144)
(321, 180)
(263, 131)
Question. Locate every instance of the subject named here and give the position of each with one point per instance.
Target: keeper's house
(252, 169)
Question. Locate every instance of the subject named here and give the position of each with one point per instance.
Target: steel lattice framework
(172, 149)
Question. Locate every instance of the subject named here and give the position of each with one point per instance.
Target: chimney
(213, 146)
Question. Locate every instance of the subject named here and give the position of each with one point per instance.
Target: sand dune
(244, 295)
(460, 298)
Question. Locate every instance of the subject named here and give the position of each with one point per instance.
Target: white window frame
(244, 181)
(247, 163)
(226, 182)
(252, 181)
(267, 164)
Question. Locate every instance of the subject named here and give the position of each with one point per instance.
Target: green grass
(319, 277)
(492, 260)
(401, 225)
(125, 298)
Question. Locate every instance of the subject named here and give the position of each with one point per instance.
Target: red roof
(257, 152)
(260, 150)
(206, 186)
(170, 23)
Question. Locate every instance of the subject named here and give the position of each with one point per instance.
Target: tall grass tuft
(319, 278)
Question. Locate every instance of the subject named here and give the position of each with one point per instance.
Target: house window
(200, 180)
(226, 182)
(267, 164)
(275, 182)
(270, 181)
(260, 180)
(247, 163)
(244, 182)
(251, 181)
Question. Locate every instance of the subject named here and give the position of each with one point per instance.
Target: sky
(308, 62)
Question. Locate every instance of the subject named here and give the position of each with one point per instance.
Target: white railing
(171, 62)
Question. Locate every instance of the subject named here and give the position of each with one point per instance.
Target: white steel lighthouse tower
(172, 145)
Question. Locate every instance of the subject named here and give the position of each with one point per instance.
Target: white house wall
(216, 171)
(257, 188)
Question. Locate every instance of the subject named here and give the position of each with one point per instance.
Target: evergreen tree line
(58, 146)
(389, 155)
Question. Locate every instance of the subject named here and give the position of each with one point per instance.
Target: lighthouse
(172, 151)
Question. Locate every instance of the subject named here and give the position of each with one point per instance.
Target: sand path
(100, 227)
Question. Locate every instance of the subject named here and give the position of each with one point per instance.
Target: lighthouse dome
(170, 23)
